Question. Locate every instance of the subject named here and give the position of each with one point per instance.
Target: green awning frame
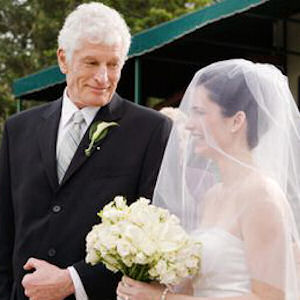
(146, 41)
(165, 33)
(38, 81)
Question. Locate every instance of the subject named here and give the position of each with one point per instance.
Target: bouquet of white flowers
(144, 242)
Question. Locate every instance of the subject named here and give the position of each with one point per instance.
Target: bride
(234, 183)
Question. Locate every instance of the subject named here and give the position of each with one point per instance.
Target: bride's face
(210, 129)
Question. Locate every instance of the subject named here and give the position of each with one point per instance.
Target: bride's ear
(238, 121)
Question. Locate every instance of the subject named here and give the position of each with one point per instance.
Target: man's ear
(62, 61)
(239, 120)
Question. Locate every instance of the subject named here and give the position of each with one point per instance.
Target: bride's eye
(199, 112)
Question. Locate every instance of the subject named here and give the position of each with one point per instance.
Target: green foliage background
(29, 28)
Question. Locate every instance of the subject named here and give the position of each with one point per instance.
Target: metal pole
(19, 105)
(285, 46)
(137, 81)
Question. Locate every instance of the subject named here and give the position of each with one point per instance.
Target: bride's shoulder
(263, 185)
(263, 193)
(213, 191)
(264, 209)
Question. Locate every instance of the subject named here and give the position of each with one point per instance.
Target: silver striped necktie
(69, 144)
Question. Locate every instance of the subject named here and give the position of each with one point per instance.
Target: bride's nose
(190, 126)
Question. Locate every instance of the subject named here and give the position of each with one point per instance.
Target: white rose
(141, 259)
(123, 248)
(171, 237)
(133, 233)
(112, 267)
(161, 267)
(120, 202)
(169, 277)
(143, 200)
(192, 262)
(128, 261)
(143, 218)
(92, 257)
(107, 240)
(113, 215)
(109, 259)
(139, 239)
(148, 246)
(181, 270)
(153, 273)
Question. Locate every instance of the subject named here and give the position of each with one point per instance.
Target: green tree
(29, 28)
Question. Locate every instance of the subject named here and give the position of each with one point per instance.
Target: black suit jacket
(40, 218)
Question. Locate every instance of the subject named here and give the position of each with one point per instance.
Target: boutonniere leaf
(98, 131)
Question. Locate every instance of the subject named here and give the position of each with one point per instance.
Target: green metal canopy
(36, 85)
(166, 33)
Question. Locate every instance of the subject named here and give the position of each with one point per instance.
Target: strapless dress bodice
(224, 271)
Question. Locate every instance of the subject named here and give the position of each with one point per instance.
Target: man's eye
(91, 63)
(113, 65)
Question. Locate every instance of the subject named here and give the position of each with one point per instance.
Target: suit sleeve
(91, 279)
(153, 158)
(6, 222)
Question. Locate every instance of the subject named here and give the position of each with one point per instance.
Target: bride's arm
(135, 290)
(265, 234)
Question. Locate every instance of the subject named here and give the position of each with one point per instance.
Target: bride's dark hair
(231, 93)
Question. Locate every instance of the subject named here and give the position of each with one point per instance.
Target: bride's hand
(129, 289)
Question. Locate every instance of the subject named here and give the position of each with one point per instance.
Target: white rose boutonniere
(98, 131)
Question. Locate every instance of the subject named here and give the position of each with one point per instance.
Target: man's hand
(47, 282)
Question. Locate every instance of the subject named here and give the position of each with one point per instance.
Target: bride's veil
(258, 200)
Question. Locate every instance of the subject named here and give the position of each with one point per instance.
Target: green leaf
(93, 129)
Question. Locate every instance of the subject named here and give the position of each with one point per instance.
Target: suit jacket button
(51, 252)
(56, 208)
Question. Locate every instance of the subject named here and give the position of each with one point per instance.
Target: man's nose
(101, 74)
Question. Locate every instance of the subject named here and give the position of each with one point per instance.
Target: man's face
(93, 73)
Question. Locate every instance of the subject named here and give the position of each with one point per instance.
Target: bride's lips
(198, 136)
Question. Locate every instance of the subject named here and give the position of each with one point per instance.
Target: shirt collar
(69, 108)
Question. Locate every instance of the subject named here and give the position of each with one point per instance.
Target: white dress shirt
(67, 111)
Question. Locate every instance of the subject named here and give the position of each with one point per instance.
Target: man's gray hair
(96, 23)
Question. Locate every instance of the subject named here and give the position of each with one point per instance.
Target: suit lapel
(109, 113)
(47, 135)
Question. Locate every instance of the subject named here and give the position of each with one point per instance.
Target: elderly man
(51, 187)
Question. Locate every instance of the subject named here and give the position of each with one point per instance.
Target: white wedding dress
(224, 272)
